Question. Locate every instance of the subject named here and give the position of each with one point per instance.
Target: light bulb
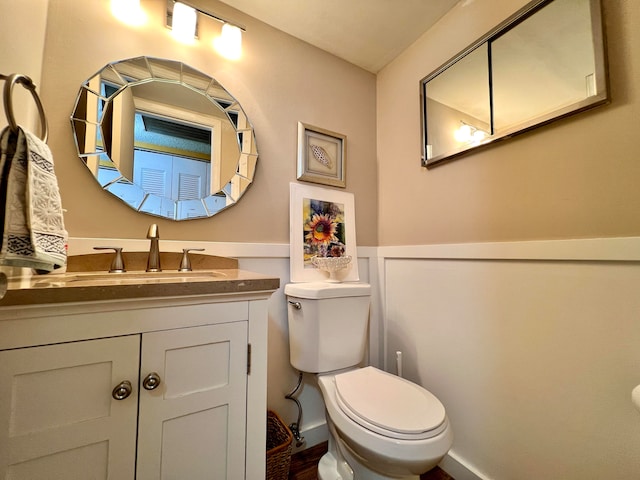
(229, 43)
(183, 24)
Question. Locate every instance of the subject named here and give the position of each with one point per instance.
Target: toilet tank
(327, 324)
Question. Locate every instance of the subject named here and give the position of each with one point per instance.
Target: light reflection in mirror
(458, 97)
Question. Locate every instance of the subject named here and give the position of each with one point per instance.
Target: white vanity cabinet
(58, 417)
(80, 398)
(193, 424)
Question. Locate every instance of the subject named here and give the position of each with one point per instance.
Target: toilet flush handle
(295, 305)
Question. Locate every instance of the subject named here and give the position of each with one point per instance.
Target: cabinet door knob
(151, 381)
(122, 391)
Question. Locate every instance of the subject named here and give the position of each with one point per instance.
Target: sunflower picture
(323, 229)
(321, 225)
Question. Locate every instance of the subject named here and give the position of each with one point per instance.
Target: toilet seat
(401, 410)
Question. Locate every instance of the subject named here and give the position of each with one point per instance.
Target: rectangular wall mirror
(545, 62)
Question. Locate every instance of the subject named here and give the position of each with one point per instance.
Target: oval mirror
(166, 139)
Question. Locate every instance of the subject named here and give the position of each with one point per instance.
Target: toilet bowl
(381, 426)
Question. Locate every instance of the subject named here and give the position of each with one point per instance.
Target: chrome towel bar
(26, 82)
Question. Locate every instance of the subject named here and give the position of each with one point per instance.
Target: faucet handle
(117, 265)
(185, 264)
(153, 231)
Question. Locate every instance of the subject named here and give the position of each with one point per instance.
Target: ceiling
(367, 33)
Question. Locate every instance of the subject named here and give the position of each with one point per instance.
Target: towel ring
(27, 83)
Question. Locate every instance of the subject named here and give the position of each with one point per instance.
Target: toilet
(381, 426)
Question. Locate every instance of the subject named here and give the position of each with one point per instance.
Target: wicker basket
(279, 440)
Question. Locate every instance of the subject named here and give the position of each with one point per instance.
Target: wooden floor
(304, 466)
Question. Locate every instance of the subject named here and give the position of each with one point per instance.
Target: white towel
(33, 233)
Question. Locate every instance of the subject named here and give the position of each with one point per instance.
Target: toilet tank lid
(317, 290)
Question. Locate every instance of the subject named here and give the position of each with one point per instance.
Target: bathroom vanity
(134, 376)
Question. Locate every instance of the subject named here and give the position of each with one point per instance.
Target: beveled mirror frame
(87, 124)
(600, 97)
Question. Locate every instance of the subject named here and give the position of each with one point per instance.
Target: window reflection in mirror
(171, 158)
(545, 62)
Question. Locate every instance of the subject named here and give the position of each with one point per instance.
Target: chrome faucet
(153, 261)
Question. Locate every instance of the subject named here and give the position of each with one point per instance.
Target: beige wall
(576, 178)
(22, 30)
(279, 81)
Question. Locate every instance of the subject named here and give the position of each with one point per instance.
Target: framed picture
(321, 156)
(322, 224)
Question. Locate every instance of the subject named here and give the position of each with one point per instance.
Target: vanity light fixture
(129, 12)
(228, 43)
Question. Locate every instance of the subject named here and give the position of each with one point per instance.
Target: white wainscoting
(533, 348)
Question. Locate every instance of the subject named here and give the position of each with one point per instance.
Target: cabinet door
(192, 426)
(58, 419)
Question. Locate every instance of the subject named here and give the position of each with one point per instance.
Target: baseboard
(313, 435)
(459, 469)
